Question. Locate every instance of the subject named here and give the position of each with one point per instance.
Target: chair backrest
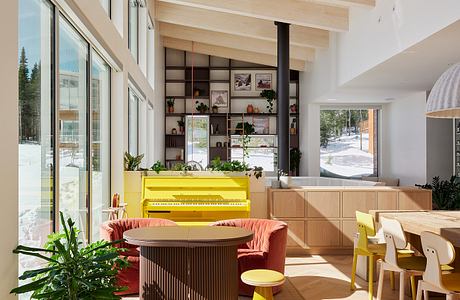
(438, 251)
(395, 239)
(113, 230)
(366, 227)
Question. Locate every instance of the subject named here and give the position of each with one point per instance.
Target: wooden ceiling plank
(248, 56)
(231, 41)
(238, 25)
(309, 14)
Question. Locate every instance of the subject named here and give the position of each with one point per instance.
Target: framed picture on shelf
(242, 81)
(219, 98)
(263, 81)
(261, 125)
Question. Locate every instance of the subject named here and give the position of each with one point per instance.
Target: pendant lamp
(444, 98)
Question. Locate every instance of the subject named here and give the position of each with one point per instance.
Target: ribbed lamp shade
(444, 99)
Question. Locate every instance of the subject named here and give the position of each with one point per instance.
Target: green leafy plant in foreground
(72, 272)
(132, 162)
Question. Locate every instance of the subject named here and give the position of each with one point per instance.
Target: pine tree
(35, 93)
(24, 94)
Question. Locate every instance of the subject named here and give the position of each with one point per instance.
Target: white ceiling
(414, 69)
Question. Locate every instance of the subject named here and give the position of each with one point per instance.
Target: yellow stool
(263, 280)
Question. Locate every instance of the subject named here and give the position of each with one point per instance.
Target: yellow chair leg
(353, 271)
(413, 288)
(263, 293)
(392, 280)
(371, 277)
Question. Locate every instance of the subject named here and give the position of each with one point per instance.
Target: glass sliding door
(73, 125)
(197, 139)
(133, 123)
(36, 152)
(100, 143)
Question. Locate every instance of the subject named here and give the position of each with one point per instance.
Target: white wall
(439, 148)
(392, 26)
(9, 147)
(403, 142)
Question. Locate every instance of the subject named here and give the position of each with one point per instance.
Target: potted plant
(270, 95)
(201, 107)
(215, 109)
(276, 184)
(181, 124)
(170, 104)
(158, 167)
(294, 159)
(132, 162)
(72, 271)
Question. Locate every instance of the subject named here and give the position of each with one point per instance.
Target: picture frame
(219, 98)
(261, 125)
(242, 81)
(263, 81)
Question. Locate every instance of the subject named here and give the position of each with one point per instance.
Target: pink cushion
(112, 231)
(267, 250)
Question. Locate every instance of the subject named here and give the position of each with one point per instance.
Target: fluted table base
(178, 273)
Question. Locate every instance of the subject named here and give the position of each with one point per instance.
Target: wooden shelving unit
(457, 147)
(211, 74)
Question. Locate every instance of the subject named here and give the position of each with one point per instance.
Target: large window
(133, 122)
(100, 150)
(256, 151)
(73, 143)
(348, 142)
(197, 139)
(36, 155)
(64, 144)
(133, 28)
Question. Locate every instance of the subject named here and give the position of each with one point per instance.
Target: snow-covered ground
(343, 156)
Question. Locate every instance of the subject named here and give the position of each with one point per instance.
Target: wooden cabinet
(358, 200)
(288, 204)
(324, 233)
(296, 233)
(322, 220)
(414, 200)
(387, 200)
(323, 204)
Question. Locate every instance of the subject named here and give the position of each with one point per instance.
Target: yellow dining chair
(366, 229)
(438, 252)
(411, 265)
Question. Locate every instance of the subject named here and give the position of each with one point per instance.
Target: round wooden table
(188, 262)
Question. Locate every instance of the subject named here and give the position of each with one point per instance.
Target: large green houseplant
(72, 271)
(445, 193)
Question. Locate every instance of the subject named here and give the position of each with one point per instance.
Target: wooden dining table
(444, 223)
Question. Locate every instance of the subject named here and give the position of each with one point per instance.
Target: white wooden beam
(247, 56)
(309, 14)
(231, 41)
(348, 3)
(238, 25)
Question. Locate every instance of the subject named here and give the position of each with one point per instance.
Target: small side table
(263, 280)
(116, 213)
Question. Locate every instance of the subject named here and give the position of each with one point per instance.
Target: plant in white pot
(276, 184)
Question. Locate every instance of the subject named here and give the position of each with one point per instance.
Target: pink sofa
(267, 250)
(112, 231)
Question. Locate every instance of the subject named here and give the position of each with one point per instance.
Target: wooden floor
(324, 277)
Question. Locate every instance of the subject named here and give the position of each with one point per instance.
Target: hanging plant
(270, 95)
(245, 129)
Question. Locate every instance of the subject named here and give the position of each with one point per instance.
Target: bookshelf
(213, 77)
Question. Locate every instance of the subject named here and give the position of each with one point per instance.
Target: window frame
(377, 135)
